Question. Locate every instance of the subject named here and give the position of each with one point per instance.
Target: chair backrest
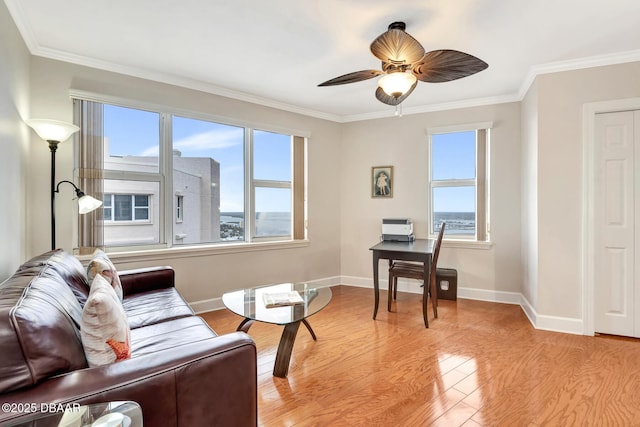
(436, 251)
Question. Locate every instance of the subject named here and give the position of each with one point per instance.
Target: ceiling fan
(404, 62)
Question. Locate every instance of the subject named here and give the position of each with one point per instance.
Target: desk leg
(376, 287)
(283, 356)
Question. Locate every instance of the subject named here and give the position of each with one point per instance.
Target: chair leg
(434, 297)
(395, 287)
(425, 309)
(390, 291)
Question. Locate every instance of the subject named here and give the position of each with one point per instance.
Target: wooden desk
(419, 250)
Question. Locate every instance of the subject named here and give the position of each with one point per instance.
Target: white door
(617, 219)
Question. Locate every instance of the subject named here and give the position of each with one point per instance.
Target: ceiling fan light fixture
(397, 84)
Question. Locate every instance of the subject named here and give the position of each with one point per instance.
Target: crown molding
(177, 81)
(36, 49)
(576, 64)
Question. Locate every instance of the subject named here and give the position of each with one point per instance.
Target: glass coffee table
(249, 303)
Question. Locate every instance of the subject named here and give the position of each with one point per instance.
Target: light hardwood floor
(479, 363)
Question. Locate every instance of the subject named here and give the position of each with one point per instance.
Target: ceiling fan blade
(445, 65)
(357, 76)
(397, 47)
(392, 100)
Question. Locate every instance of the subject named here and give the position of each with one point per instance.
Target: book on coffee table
(282, 299)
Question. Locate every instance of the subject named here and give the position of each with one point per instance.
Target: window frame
(480, 182)
(164, 178)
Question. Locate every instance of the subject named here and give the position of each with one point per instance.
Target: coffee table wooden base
(285, 348)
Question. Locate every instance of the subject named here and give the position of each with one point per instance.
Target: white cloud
(199, 142)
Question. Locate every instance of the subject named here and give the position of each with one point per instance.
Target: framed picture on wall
(382, 181)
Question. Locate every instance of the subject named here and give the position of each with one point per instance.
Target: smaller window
(458, 182)
(126, 207)
(179, 208)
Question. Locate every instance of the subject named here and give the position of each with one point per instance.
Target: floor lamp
(55, 132)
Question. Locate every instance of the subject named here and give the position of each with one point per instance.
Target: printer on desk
(397, 230)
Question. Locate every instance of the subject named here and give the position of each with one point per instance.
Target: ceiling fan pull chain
(399, 110)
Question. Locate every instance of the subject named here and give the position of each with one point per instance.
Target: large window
(174, 180)
(458, 182)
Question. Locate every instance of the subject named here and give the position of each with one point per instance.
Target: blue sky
(454, 158)
(135, 132)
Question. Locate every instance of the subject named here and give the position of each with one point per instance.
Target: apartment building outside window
(171, 180)
(458, 181)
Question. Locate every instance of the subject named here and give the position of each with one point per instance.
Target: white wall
(529, 199)
(561, 97)
(202, 276)
(14, 143)
(402, 143)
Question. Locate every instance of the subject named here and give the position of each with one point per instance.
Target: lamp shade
(52, 130)
(397, 84)
(87, 204)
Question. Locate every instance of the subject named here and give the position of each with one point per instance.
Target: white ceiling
(275, 52)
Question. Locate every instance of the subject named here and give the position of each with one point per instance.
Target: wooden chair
(414, 270)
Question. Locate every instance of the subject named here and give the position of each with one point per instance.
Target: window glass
(271, 156)
(129, 212)
(107, 207)
(131, 138)
(457, 207)
(122, 207)
(208, 170)
(273, 212)
(458, 183)
(179, 208)
(454, 155)
(141, 208)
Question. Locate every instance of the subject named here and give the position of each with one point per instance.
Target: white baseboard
(205, 305)
(548, 323)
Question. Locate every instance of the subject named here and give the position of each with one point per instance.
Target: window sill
(466, 244)
(198, 251)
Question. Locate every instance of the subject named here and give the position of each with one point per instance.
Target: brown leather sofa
(181, 372)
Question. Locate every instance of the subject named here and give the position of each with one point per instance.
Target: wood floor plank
(479, 363)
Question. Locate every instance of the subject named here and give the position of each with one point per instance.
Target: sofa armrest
(147, 279)
(204, 383)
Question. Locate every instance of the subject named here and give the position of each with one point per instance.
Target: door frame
(589, 169)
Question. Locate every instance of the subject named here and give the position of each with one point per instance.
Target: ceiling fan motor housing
(398, 25)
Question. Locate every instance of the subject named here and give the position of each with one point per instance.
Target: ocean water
(457, 222)
(279, 223)
(267, 224)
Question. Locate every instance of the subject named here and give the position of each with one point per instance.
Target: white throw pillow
(101, 264)
(104, 328)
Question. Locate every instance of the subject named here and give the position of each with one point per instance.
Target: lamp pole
(54, 132)
(53, 146)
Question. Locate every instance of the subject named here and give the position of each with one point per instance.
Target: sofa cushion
(40, 322)
(101, 264)
(64, 266)
(147, 308)
(104, 330)
(167, 335)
